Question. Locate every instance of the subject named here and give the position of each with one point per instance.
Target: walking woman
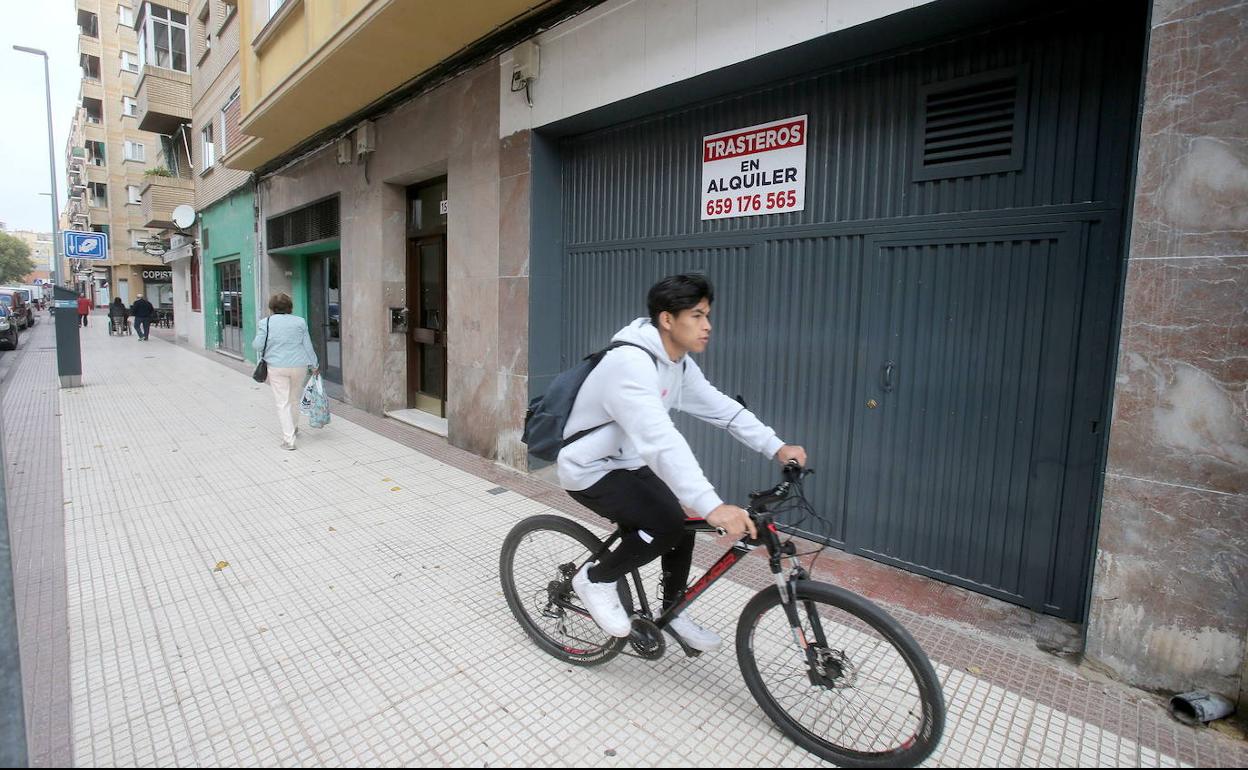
(282, 340)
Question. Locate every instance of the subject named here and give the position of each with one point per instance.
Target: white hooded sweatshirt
(630, 396)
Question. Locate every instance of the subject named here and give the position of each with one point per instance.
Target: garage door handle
(886, 376)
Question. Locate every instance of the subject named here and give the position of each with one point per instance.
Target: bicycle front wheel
(872, 698)
(536, 565)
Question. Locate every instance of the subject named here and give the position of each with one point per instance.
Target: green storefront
(228, 244)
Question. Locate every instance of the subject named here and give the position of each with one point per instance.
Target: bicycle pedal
(689, 651)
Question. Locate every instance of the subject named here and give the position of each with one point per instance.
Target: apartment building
(999, 299)
(111, 157)
(214, 274)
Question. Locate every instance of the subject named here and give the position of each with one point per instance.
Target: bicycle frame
(769, 537)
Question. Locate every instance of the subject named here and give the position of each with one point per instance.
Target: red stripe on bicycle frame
(716, 570)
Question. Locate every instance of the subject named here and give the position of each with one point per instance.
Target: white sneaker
(694, 635)
(603, 602)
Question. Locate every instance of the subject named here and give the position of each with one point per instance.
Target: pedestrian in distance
(118, 316)
(142, 311)
(84, 308)
(283, 342)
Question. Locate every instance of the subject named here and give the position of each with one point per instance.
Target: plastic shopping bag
(318, 414)
(309, 390)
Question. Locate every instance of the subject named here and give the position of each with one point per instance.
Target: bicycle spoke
(536, 562)
(871, 703)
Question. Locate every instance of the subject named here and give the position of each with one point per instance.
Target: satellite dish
(184, 216)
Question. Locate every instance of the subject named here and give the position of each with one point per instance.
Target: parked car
(16, 304)
(8, 328)
(29, 296)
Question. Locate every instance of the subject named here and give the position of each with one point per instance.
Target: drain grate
(496, 490)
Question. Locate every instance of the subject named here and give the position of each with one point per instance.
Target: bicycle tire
(872, 623)
(522, 599)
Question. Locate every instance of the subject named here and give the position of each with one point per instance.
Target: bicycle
(837, 674)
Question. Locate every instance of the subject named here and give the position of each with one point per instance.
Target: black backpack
(548, 413)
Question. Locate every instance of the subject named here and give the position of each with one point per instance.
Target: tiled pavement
(231, 603)
(37, 530)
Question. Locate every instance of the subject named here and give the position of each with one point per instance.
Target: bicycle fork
(816, 667)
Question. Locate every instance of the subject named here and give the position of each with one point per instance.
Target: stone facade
(452, 131)
(1169, 610)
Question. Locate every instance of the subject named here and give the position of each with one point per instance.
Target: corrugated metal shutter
(975, 281)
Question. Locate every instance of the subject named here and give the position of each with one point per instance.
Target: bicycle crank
(647, 639)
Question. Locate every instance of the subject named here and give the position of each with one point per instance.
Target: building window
(225, 133)
(209, 150)
(135, 151)
(129, 106)
(90, 66)
(230, 133)
(137, 238)
(125, 15)
(274, 6)
(88, 23)
(162, 37)
(95, 153)
(133, 195)
(203, 33)
(129, 62)
(97, 194)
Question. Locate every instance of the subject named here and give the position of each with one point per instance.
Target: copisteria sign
(755, 171)
(157, 275)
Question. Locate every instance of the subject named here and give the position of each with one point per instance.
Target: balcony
(161, 195)
(89, 46)
(92, 88)
(315, 63)
(164, 99)
(76, 209)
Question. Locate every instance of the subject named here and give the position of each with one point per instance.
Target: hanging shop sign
(754, 171)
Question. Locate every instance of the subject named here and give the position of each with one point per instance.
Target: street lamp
(47, 82)
(68, 345)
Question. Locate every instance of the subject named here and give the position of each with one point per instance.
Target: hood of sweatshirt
(644, 333)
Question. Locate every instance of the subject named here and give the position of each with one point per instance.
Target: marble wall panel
(1180, 412)
(1168, 610)
(513, 225)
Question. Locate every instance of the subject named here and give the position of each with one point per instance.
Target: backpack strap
(597, 357)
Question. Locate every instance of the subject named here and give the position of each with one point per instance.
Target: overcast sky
(50, 25)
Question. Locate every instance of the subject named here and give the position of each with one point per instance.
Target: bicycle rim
(535, 555)
(874, 700)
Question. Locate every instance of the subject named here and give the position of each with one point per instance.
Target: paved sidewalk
(230, 603)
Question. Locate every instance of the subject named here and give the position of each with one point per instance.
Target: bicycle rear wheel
(536, 565)
(873, 699)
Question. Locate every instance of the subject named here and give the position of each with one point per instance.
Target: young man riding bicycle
(632, 465)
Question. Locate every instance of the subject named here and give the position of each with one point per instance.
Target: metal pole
(68, 343)
(56, 260)
(47, 89)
